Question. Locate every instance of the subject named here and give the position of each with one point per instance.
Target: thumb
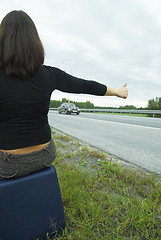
(125, 85)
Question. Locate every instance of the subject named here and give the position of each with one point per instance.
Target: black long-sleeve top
(24, 104)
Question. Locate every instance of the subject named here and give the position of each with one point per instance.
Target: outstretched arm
(121, 92)
(68, 83)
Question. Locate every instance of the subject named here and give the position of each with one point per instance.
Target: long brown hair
(21, 50)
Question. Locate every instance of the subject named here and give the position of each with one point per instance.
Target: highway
(134, 139)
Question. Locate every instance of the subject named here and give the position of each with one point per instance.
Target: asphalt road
(142, 121)
(134, 139)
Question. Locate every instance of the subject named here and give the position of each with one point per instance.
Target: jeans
(13, 166)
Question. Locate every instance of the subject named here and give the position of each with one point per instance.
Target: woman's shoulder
(51, 68)
(53, 71)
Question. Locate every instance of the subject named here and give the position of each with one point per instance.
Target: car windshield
(71, 105)
(64, 105)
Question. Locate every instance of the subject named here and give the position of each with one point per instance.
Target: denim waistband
(19, 165)
(7, 156)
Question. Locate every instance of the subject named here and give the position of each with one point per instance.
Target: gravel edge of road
(109, 157)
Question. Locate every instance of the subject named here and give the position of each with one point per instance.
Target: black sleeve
(71, 84)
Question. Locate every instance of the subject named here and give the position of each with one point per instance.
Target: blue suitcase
(31, 206)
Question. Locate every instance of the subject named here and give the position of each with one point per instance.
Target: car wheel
(77, 113)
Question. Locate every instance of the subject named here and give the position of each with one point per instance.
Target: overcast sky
(110, 41)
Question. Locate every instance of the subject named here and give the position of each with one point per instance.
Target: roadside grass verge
(102, 198)
(124, 114)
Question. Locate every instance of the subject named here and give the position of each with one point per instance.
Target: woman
(25, 89)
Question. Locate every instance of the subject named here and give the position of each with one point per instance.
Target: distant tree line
(155, 104)
(88, 105)
(56, 104)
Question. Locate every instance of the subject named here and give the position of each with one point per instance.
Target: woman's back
(24, 106)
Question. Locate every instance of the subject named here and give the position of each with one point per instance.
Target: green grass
(125, 114)
(105, 200)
